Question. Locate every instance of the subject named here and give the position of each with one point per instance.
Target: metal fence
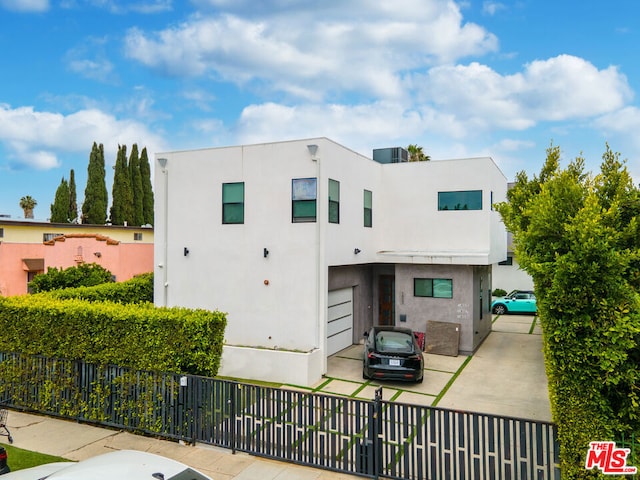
(372, 438)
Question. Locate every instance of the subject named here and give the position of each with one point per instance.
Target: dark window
(1, 232)
(137, 236)
(466, 200)
(433, 287)
(334, 201)
(46, 237)
(368, 208)
(508, 261)
(303, 200)
(233, 203)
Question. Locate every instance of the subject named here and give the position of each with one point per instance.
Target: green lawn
(19, 458)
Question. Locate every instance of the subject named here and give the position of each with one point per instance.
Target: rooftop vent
(390, 155)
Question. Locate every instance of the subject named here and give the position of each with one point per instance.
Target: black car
(392, 353)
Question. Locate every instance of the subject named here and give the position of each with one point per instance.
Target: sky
(467, 78)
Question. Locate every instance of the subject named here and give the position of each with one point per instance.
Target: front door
(386, 299)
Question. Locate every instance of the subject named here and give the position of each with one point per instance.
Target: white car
(120, 465)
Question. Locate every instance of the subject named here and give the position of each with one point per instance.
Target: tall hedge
(139, 336)
(578, 236)
(138, 289)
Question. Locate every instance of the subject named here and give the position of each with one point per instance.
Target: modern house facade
(29, 247)
(306, 244)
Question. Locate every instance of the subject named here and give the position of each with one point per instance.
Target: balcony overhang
(436, 257)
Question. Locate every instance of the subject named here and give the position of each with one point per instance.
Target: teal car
(518, 301)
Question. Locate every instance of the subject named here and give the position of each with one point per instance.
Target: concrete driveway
(505, 376)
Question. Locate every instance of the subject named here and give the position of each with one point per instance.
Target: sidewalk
(77, 441)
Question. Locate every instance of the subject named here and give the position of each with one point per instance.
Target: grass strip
(18, 458)
(533, 325)
(450, 382)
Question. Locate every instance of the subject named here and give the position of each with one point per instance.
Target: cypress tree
(60, 206)
(147, 189)
(122, 206)
(136, 187)
(73, 202)
(94, 208)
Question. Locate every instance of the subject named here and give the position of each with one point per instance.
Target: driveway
(505, 376)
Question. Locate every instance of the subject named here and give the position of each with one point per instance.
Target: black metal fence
(368, 438)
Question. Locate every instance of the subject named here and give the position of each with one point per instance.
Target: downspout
(318, 260)
(313, 150)
(165, 261)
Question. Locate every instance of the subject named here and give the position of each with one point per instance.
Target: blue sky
(460, 78)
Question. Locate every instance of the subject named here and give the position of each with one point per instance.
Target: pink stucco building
(31, 247)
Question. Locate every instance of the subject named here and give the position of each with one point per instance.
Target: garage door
(340, 320)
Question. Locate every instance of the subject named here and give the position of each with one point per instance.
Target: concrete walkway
(505, 376)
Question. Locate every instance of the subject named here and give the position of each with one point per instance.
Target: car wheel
(499, 309)
(364, 375)
(421, 379)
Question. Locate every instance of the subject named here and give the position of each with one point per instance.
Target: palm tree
(416, 154)
(28, 204)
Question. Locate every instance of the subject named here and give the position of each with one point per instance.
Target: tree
(28, 204)
(122, 193)
(416, 154)
(137, 217)
(147, 189)
(578, 236)
(94, 208)
(73, 202)
(60, 206)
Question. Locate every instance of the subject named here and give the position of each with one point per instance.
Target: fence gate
(369, 438)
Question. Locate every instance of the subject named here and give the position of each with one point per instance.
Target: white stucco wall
(412, 220)
(511, 277)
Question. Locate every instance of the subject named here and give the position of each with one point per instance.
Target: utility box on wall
(442, 338)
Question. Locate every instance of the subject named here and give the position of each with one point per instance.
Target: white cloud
(491, 7)
(312, 52)
(25, 5)
(560, 88)
(37, 138)
(141, 6)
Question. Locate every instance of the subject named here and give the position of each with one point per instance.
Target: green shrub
(86, 274)
(138, 289)
(138, 336)
(498, 292)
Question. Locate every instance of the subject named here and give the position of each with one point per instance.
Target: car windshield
(394, 342)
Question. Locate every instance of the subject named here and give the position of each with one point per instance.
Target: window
(137, 236)
(508, 261)
(303, 200)
(368, 208)
(1, 232)
(233, 203)
(466, 200)
(433, 287)
(334, 201)
(47, 237)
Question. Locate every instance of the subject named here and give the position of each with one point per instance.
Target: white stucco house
(306, 244)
